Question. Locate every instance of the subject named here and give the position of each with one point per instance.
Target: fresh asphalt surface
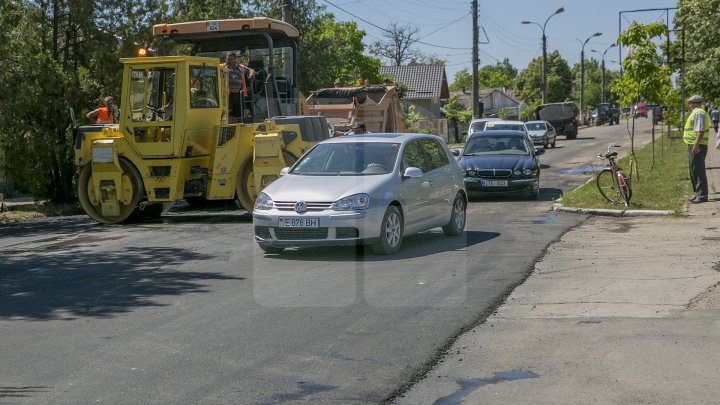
(187, 309)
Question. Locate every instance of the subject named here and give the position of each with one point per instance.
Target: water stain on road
(547, 219)
(306, 389)
(468, 386)
(587, 169)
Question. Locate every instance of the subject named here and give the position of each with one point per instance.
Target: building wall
(427, 108)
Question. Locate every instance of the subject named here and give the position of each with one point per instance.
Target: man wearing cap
(359, 128)
(695, 137)
(239, 76)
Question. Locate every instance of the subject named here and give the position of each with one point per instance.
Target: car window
(536, 126)
(496, 145)
(413, 156)
(511, 127)
(348, 159)
(436, 153)
(476, 126)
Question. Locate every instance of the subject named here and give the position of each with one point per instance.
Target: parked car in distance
(640, 110)
(506, 125)
(501, 162)
(364, 189)
(478, 124)
(541, 133)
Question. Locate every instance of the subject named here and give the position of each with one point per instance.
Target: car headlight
(352, 202)
(517, 172)
(527, 172)
(470, 173)
(263, 202)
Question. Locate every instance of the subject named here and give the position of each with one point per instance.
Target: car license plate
(494, 183)
(298, 222)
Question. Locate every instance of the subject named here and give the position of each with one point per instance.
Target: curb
(611, 213)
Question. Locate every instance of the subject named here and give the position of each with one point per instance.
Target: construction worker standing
(695, 137)
(103, 115)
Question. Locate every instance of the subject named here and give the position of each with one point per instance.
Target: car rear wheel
(554, 141)
(391, 233)
(457, 217)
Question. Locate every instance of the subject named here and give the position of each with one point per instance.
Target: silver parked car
(542, 133)
(366, 189)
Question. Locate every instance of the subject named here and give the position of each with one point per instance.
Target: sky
(445, 27)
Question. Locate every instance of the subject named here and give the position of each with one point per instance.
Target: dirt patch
(710, 299)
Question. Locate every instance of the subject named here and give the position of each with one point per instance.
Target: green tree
(463, 80)
(455, 111)
(645, 76)
(593, 82)
(702, 46)
(334, 51)
(559, 80)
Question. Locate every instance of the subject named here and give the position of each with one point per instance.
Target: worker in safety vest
(103, 115)
(240, 75)
(695, 136)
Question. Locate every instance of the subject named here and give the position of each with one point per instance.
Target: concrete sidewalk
(619, 311)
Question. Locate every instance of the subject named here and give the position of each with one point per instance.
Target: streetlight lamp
(602, 86)
(543, 83)
(582, 75)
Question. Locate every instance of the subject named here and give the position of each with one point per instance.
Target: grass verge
(663, 185)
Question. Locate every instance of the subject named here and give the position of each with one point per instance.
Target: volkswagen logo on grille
(300, 207)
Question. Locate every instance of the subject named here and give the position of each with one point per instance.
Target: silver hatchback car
(366, 189)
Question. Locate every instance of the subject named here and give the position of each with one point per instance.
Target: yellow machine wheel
(245, 183)
(95, 210)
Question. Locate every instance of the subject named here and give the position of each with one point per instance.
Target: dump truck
(174, 139)
(377, 106)
(562, 116)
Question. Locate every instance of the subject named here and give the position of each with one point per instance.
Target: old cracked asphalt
(621, 310)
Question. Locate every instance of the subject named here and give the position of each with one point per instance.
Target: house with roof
(492, 101)
(426, 87)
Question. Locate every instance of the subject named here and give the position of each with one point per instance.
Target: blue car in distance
(501, 162)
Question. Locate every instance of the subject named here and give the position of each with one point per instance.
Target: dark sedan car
(501, 162)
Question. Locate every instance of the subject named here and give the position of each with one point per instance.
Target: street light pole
(543, 82)
(602, 86)
(582, 76)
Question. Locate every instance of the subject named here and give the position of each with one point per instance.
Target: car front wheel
(391, 231)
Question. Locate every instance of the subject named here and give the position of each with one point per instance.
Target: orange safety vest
(104, 116)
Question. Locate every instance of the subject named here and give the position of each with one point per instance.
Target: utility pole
(287, 11)
(289, 65)
(475, 62)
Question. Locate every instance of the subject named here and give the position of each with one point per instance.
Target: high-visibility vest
(689, 133)
(104, 116)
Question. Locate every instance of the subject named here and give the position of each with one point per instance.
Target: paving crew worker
(695, 136)
(239, 76)
(103, 115)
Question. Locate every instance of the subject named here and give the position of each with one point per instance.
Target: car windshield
(536, 126)
(496, 145)
(348, 159)
(477, 126)
(510, 127)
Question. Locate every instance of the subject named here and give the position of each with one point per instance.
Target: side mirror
(455, 152)
(539, 151)
(284, 171)
(412, 172)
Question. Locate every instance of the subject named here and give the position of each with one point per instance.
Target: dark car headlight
(527, 172)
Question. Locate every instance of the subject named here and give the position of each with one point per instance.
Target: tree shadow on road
(68, 284)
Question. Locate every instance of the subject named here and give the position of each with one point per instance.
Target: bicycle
(612, 183)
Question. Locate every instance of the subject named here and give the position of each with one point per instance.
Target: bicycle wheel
(607, 186)
(624, 188)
